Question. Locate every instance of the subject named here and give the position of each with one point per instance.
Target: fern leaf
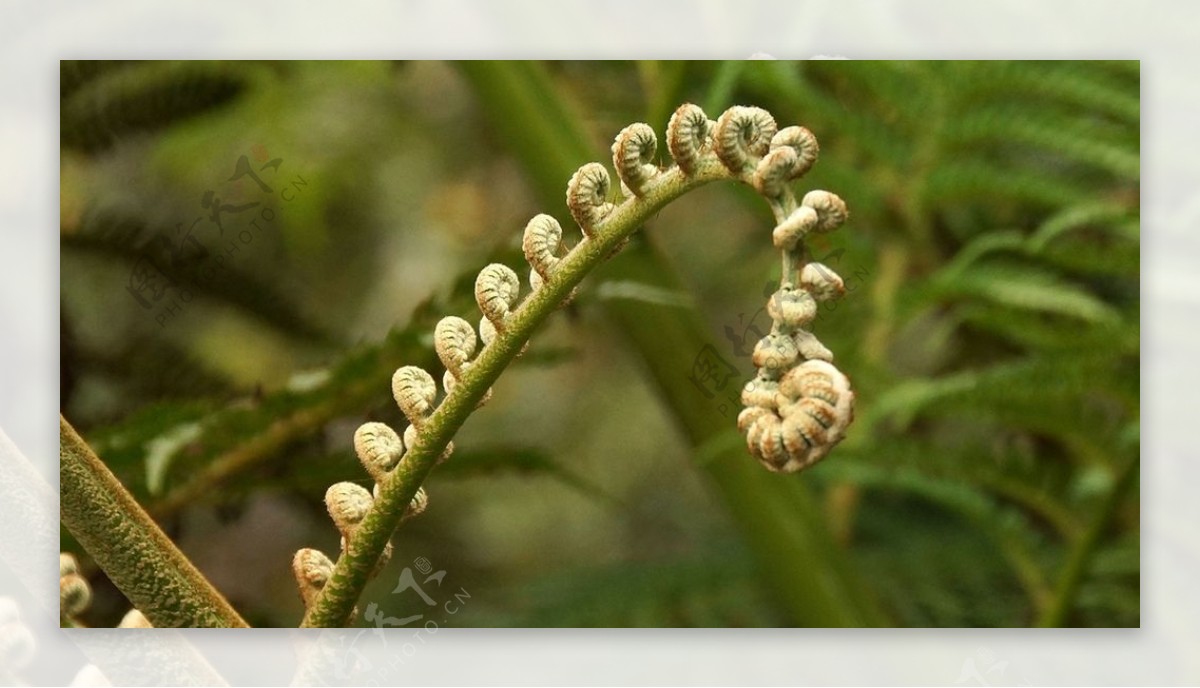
(1026, 288)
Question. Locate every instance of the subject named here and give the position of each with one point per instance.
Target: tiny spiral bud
(74, 594)
(348, 503)
(765, 438)
(742, 135)
(824, 284)
(378, 448)
(803, 142)
(749, 415)
(415, 392)
(312, 570)
(804, 438)
(831, 210)
(772, 444)
(417, 506)
(496, 290)
(134, 619)
(455, 342)
(687, 136)
(773, 172)
(819, 380)
(791, 308)
(587, 196)
(633, 156)
(535, 280)
(67, 564)
(774, 354)
(487, 331)
(794, 228)
(543, 236)
(760, 392)
(810, 347)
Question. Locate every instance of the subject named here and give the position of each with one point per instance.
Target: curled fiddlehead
(742, 136)
(688, 136)
(798, 406)
(633, 157)
(378, 447)
(587, 196)
(415, 393)
(496, 292)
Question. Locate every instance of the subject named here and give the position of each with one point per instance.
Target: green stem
(1057, 614)
(129, 546)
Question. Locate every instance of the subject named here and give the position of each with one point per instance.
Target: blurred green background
(991, 330)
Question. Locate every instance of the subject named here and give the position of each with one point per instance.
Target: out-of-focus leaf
(132, 241)
(1056, 395)
(106, 104)
(932, 569)
(1026, 288)
(126, 446)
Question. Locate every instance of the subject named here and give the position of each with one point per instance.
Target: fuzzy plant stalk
(130, 547)
(744, 145)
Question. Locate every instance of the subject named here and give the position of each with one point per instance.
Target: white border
(34, 36)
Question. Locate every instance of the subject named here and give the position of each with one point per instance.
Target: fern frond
(1059, 395)
(1024, 287)
(1078, 84)
(1076, 139)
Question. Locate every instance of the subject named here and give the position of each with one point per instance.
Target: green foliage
(1007, 378)
(716, 589)
(105, 102)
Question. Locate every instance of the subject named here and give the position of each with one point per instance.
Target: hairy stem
(129, 546)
